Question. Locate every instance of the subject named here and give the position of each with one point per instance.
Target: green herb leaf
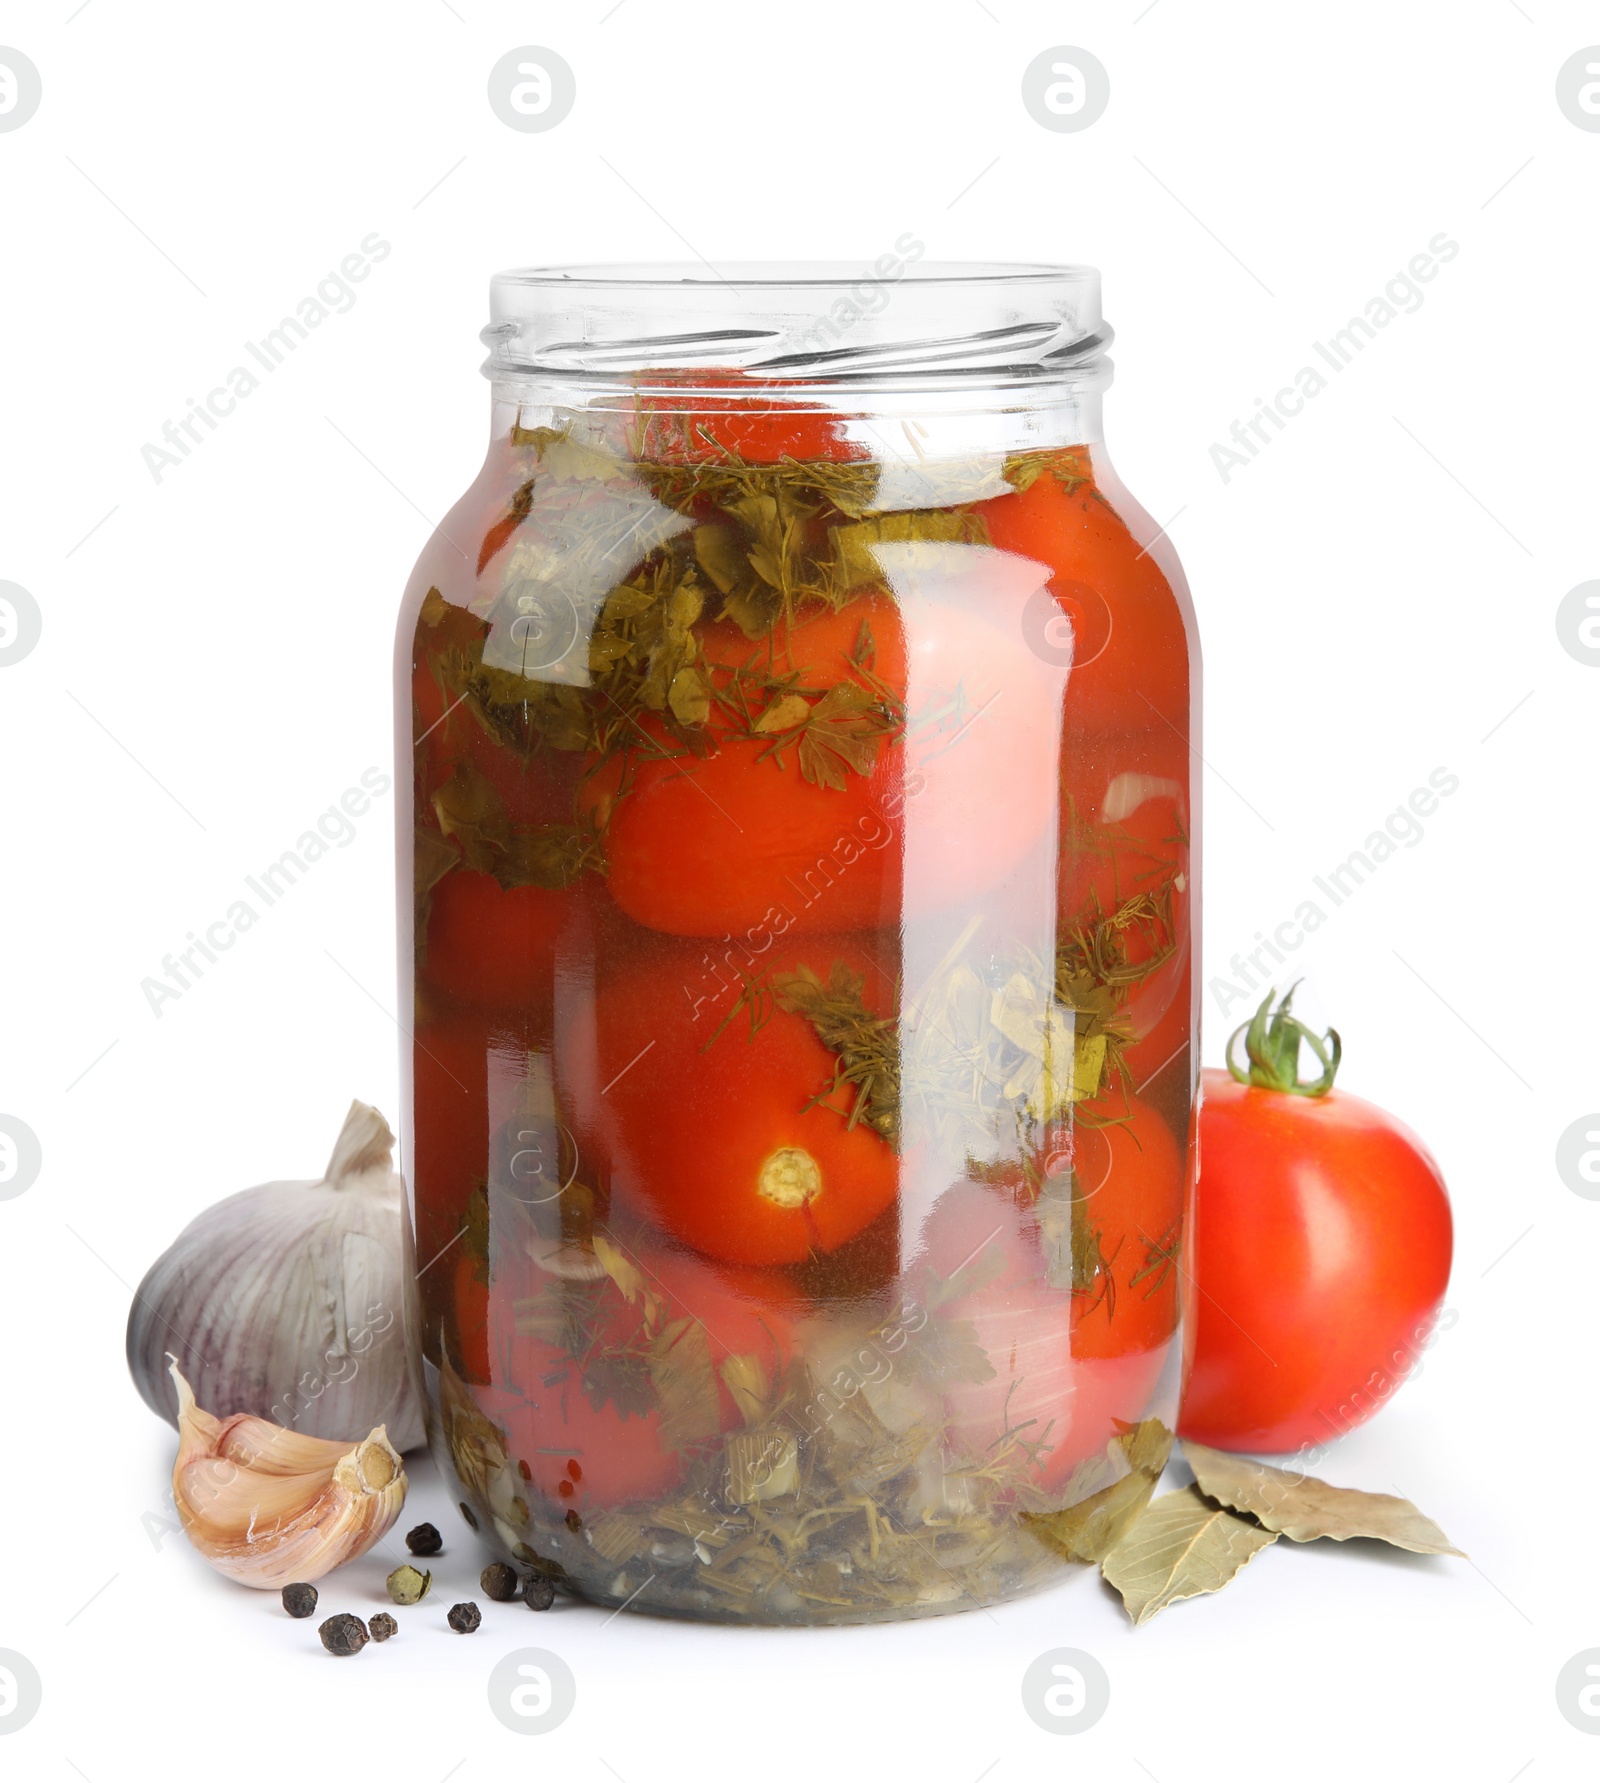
(550, 855)
(519, 714)
(689, 697)
(866, 1046)
(856, 567)
(843, 734)
(718, 552)
(784, 714)
(470, 810)
(620, 1378)
(1069, 466)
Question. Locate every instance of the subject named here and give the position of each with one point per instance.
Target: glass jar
(799, 914)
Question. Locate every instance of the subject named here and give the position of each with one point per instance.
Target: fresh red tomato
(717, 1137)
(728, 841)
(1129, 641)
(493, 945)
(1321, 1251)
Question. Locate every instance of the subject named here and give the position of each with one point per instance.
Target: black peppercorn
(299, 1600)
(466, 1511)
(464, 1617)
(344, 1635)
(537, 1592)
(382, 1626)
(499, 1582)
(425, 1539)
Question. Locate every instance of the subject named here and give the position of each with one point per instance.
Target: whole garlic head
(286, 1301)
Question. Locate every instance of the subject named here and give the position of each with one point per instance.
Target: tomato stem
(1272, 1041)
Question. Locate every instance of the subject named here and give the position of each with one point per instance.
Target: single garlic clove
(270, 1507)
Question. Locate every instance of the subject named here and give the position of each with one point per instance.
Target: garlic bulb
(270, 1507)
(286, 1301)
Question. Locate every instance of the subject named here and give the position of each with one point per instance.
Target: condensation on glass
(798, 917)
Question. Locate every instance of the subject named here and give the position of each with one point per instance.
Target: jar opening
(899, 318)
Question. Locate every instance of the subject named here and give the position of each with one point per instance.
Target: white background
(1377, 596)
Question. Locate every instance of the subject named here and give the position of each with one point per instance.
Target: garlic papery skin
(272, 1507)
(287, 1301)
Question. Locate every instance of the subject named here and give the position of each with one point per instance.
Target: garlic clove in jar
(286, 1301)
(270, 1507)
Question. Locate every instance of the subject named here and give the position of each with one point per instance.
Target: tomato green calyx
(1272, 1042)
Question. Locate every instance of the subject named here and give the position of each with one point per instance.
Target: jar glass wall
(799, 911)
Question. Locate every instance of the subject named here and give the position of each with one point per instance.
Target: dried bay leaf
(1183, 1546)
(1090, 1529)
(1106, 1493)
(1307, 1509)
(1147, 1445)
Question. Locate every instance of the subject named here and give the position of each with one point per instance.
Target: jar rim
(900, 318)
(764, 275)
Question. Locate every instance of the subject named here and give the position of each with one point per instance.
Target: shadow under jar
(799, 912)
